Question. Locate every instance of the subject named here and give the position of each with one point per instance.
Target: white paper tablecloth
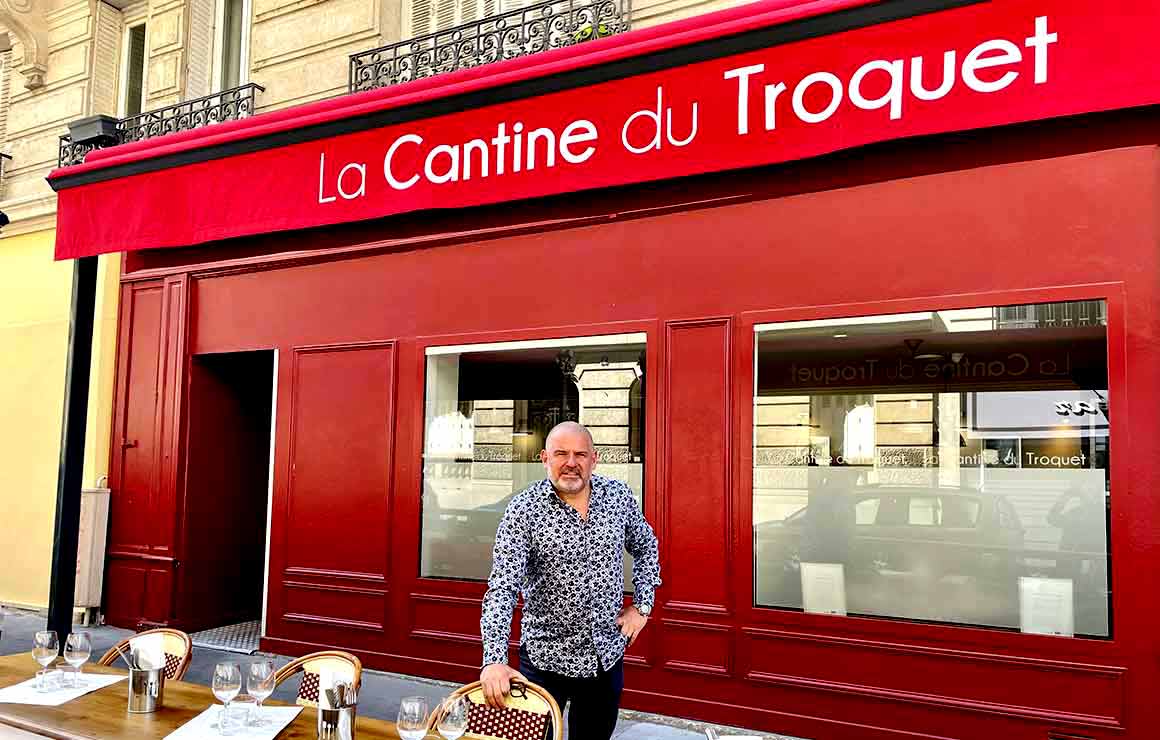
(199, 728)
(25, 692)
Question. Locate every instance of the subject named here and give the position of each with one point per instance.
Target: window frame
(243, 44)
(645, 332)
(126, 60)
(986, 638)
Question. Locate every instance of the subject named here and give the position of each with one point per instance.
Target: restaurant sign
(962, 68)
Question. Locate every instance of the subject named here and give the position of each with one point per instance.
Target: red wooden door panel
(136, 445)
(334, 532)
(138, 580)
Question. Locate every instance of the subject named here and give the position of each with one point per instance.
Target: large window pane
(488, 411)
(135, 70)
(953, 463)
(234, 18)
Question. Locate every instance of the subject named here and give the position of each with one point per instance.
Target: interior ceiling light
(914, 344)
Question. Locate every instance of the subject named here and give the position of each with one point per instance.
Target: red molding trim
(935, 700)
(701, 668)
(727, 660)
(334, 588)
(129, 555)
(334, 622)
(447, 599)
(458, 637)
(462, 638)
(682, 624)
(1107, 671)
(694, 607)
(294, 571)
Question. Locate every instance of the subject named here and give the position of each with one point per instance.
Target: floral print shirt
(570, 571)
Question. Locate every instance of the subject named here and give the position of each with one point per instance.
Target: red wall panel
(697, 525)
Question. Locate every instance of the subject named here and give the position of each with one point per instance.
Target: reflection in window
(489, 409)
(954, 463)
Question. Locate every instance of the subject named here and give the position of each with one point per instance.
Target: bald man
(561, 544)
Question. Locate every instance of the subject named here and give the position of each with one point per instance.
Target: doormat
(233, 638)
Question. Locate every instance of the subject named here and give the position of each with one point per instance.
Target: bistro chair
(176, 644)
(530, 714)
(345, 667)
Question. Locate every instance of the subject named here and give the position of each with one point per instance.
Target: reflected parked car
(458, 542)
(928, 533)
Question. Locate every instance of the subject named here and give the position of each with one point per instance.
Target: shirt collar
(596, 483)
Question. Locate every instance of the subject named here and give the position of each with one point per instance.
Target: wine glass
(412, 724)
(77, 649)
(45, 648)
(259, 684)
(227, 683)
(453, 722)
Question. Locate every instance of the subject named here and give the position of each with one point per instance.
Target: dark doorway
(224, 531)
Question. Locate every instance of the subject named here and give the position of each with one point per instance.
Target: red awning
(759, 84)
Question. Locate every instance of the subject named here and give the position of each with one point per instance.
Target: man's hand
(497, 682)
(631, 623)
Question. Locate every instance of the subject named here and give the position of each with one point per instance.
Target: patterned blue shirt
(570, 571)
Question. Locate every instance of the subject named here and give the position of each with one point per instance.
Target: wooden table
(103, 714)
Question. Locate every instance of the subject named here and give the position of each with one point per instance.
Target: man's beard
(569, 485)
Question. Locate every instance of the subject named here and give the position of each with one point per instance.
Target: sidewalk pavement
(381, 691)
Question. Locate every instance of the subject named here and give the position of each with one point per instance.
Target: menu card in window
(1046, 606)
(824, 588)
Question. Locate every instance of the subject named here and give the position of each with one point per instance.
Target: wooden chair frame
(298, 665)
(110, 656)
(556, 714)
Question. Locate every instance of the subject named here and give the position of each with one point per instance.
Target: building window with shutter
(432, 16)
(133, 71)
(232, 43)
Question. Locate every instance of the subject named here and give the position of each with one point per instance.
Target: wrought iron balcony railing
(227, 105)
(71, 153)
(1053, 315)
(534, 28)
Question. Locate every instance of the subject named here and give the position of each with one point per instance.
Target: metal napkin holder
(336, 716)
(336, 724)
(146, 689)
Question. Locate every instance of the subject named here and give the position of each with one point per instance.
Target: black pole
(62, 588)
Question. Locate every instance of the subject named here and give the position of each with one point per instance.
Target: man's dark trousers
(595, 700)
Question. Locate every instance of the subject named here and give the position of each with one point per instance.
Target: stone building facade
(64, 60)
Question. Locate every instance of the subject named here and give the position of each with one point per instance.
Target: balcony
(227, 105)
(516, 33)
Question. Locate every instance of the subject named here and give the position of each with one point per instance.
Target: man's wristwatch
(645, 611)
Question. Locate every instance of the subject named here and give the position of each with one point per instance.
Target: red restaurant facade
(847, 292)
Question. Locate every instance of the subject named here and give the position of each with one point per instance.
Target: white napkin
(150, 651)
(200, 727)
(26, 692)
(326, 680)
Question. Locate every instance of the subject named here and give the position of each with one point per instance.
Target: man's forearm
(496, 625)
